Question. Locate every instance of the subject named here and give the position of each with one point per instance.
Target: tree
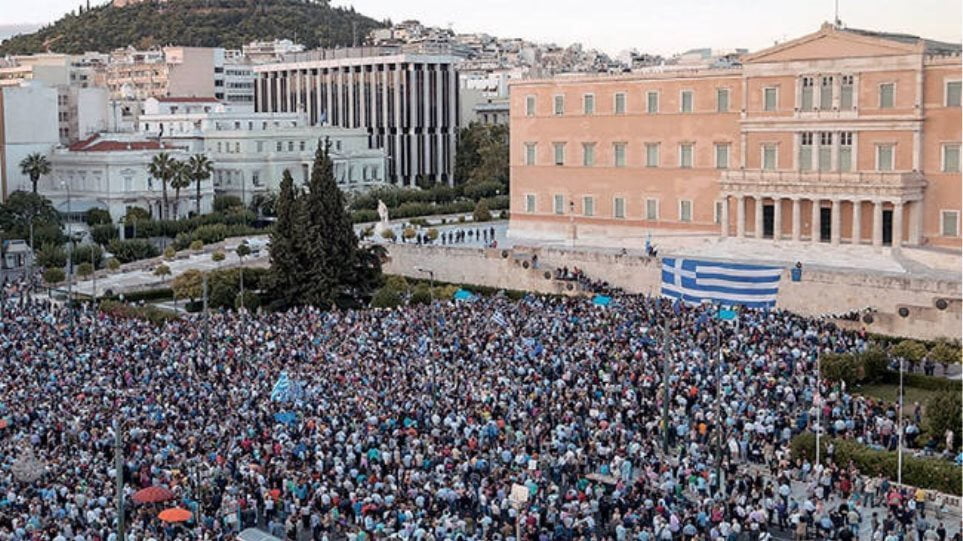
(217, 256)
(200, 169)
(35, 166)
(180, 179)
(162, 167)
(170, 253)
(96, 216)
(481, 213)
(943, 412)
(242, 250)
(945, 353)
(197, 245)
(54, 276)
(51, 256)
(23, 209)
(482, 154)
(287, 271)
(188, 284)
(113, 264)
(909, 350)
(162, 271)
(85, 269)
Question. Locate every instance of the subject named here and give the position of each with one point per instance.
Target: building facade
(251, 151)
(841, 136)
(407, 104)
(28, 125)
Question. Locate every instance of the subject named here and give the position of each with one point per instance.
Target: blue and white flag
(499, 318)
(729, 284)
(282, 388)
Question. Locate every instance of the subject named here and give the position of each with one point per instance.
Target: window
(685, 102)
(280, 146)
(618, 149)
(260, 146)
(530, 203)
(559, 105)
(953, 93)
(685, 155)
(951, 158)
(652, 154)
(652, 101)
(769, 99)
(301, 146)
(884, 157)
(845, 92)
(218, 146)
(559, 153)
(769, 157)
(559, 203)
(717, 215)
(722, 155)
(806, 151)
(806, 98)
(825, 150)
(685, 210)
(651, 209)
(950, 223)
(529, 105)
(588, 154)
(886, 91)
(826, 93)
(290, 146)
(237, 147)
(618, 208)
(845, 151)
(588, 206)
(588, 104)
(620, 103)
(529, 153)
(722, 100)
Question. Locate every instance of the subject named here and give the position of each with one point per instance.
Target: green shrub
(843, 367)
(931, 383)
(481, 212)
(928, 473)
(148, 313)
(197, 245)
(388, 234)
(170, 253)
(85, 253)
(51, 256)
(444, 293)
(162, 270)
(385, 297)
(945, 353)
(132, 250)
(408, 233)
(222, 294)
(85, 269)
(155, 294)
(54, 275)
(364, 215)
(113, 264)
(421, 295)
(874, 363)
(419, 222)
(104, 233)
(911, 350)
(97, 216)
(432, 234)
(249, 300)
(217, 256)
(943, 412)
(227, 202)
(478, 190)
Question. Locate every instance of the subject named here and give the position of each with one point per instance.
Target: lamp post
(571, 220)
(70, 256)
(819, 408)
(431, 275)
(119, 467)
(665, 385)
(899, 424)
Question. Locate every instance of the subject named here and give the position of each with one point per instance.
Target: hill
(198, 23)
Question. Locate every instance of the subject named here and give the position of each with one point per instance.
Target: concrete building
(53, 69)
(81, 112)
(407, 104)
(266, 52)
(180, 71)
(251, 151)
(841, 136)
(28, 124)
(110, 171)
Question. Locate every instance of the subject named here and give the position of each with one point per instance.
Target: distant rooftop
(932, 46)
(175, 99)
(95, 143)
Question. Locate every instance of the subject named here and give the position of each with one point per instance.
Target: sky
(659, 27)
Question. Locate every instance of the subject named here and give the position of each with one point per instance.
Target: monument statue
(383, 214)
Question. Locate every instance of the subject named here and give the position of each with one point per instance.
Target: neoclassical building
(841, 136)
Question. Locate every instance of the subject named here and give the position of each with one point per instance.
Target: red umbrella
(152, 495)
(175, 514)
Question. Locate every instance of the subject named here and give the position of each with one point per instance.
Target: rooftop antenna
(354, 33)
(838, 22)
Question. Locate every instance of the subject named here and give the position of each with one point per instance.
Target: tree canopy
(22, 207)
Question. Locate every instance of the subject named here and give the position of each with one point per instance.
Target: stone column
(814, 225)
(857, 220)
(740, 216)
(724, 217)
(758, 217)
(777, 218)
(916, 222)
(877, 223)
(897, 224)
(835, 222)
(796, 219)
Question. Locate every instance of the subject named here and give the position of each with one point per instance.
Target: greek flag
(729, 284)
(282, 389)
(499, 318)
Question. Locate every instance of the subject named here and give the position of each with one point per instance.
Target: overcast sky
(663, 26)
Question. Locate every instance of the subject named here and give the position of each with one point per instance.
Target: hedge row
(170, 228)
(415, 209)
(928, 473)
(150, 313)
(158, 294)
(211, 233)
(920, 381)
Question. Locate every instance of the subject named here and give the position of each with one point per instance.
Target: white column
(397, 123)
(318, 107)
(835, 222)
(758, 217)
(796, 219)
(877, 223)
(362, 101)
(777, 218)
(897, 224)
(857, 220)
(297, 90)
(413, 115)
(916, 222)
(329, 98)
(277, 93)
(814, 225)
(452, 121)
(740, 216)
(439, 122)
(351, 98)
(724, 217)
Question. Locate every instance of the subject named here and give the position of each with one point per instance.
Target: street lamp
(70, 255)
(571, 220)
(431, 275)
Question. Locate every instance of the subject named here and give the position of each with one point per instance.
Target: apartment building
(28, 125)
(840, 136)
(407, 103)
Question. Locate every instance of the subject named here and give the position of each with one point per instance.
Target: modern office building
(841, 136)
(407, 103)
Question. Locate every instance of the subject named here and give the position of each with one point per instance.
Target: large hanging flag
(729, 284)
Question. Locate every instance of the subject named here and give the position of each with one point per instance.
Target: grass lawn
(891, 393)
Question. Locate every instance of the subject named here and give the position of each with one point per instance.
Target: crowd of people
(423, 422)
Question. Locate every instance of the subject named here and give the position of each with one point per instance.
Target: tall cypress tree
(287, 266)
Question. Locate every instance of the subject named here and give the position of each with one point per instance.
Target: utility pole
(665, 384)
(899, 453)
(70, 261)
(819, 406)
(119, 466)
(207, 321)
(719, 424)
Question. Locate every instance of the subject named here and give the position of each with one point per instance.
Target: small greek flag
(499, 318)
(728, 284)
(282, 389)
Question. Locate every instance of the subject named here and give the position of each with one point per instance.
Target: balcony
(880, 184)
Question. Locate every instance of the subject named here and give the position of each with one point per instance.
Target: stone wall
(820, 291)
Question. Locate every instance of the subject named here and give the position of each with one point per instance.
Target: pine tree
(287, 269)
